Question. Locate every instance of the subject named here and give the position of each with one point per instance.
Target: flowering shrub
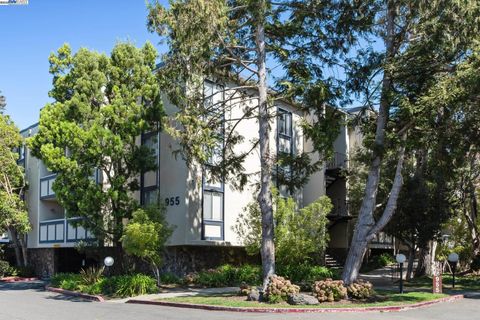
(360, 290)
(279, 288)
(329, 290)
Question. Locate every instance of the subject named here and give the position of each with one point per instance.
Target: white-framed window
(213, 205)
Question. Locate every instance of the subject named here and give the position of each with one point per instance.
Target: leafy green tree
(13, 212)
(301, 235)
(102, 104)
(145, 236)
(417, 49)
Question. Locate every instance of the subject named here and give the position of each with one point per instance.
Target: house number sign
(172, 201)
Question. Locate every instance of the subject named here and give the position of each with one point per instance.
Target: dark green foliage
(475, 265)
(117, 286)
(305, 274)
(67, 281)
(170, 278)
(129, 285)
(4, 268)
(91, 275)
(101, 105)
(227, 275)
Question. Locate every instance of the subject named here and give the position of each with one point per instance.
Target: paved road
(21, 301)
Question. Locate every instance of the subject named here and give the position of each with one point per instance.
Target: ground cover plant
(115, 286)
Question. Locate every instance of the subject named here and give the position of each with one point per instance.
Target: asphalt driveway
(25, 301)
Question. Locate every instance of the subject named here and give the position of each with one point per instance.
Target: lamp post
(453, 259)
(108, 262)
(401, 259)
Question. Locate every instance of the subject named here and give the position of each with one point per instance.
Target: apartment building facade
(202, 211)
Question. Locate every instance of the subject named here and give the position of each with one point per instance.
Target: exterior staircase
(331, 262)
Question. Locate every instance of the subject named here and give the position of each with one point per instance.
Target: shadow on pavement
(30, 285)
(61, 297)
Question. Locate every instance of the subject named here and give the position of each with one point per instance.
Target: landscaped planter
(265, 308)
(96, 298)
(17, 279)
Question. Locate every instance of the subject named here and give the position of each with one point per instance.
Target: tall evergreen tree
(102, 104)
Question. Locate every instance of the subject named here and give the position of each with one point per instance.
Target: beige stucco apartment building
(202, 212)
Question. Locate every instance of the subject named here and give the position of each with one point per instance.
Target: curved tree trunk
(365, 223)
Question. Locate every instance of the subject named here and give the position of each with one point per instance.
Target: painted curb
(298, 310)
(17, 279)
(75, 294)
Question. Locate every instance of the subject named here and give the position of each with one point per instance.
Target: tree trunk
(422, 257)
(365, 222)
(16, 246)
(426, 259)
(471, 218)
(411, 258)
(265, 196)
(24, 248)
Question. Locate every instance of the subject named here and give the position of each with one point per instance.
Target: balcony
(339, 161)
(59, 231)
(382, 241)
(46, 191)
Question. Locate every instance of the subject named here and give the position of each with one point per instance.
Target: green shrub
(279, 288)
(212, 278)
(169, 278)
(129, 285)
(226, 275)
(305, 273)
(329, 290)
(67, 281)
(360, 290)
(91, 275)
(4, 268)
(385, 259)
(250, 274)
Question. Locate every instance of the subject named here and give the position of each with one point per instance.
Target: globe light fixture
(108, 261)
(401, 259)
(453, 259)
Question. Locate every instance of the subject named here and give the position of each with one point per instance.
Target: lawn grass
(231, 300)
(467, 283)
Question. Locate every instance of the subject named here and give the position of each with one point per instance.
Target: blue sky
(28, 34)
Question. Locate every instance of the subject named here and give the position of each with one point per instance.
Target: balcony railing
(62, 231)
(382, 239)
(46, 183)
(338, 161)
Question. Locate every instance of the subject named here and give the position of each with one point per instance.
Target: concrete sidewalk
(179, 292)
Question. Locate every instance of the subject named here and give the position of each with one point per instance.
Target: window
(150, 180)
(284, 138)
(213, 205)
(285, 123)
(150, 196)
(213, 196)
(151, 141)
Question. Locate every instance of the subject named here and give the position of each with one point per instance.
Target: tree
(102, 104)
(3, 102)
(145, 236)
(13, 212)
(417, 49)
(232, 42)
(301, 235)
